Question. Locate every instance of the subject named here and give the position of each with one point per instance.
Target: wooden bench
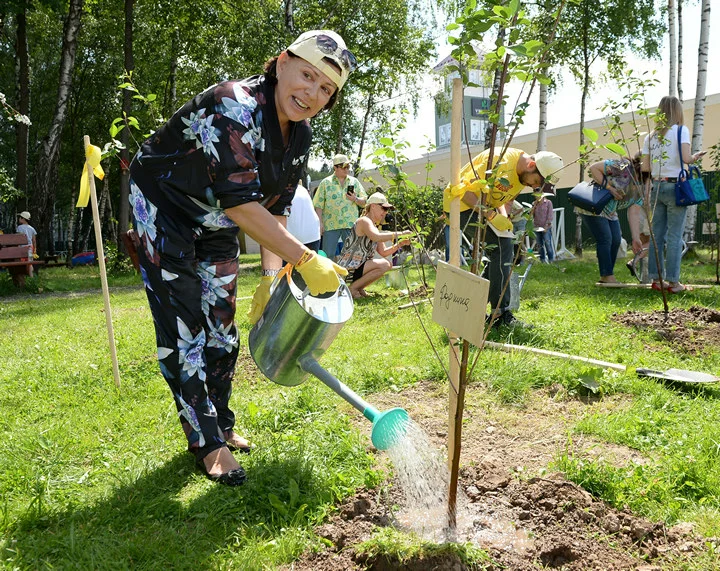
(14, 257)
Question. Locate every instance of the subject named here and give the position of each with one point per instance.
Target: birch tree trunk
(129, 64)
(171, 91)
(339, 138)
(583, 103)
(699, 115)
(542, 123)
(495, 90)
(366, 121)
(672, 83)
(679, 49)
(46, 170)
(289, 16)
(22, 72)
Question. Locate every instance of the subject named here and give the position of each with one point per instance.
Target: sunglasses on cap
(342, 166)
(328, 45)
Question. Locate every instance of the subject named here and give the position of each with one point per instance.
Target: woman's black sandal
(234, 477)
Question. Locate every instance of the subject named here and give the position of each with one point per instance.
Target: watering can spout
(389, 427)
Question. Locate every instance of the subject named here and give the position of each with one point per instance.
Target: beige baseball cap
(378, 198)
(548, 165)
(316, 45)
(340, 159)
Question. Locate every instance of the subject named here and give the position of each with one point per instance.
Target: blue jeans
(545, 245)
(607, 235)
(446, 233)
(668, 224)
(330, 239)
(500, 251)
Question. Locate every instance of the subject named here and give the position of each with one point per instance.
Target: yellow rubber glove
(320, 274)
(260, 299)
(500, 222)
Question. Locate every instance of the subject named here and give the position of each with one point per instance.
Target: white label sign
(717, 209)
(460, 302)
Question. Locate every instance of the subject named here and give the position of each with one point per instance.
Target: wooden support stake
(101, 265)
(413, 303)
(457, 385)
(509, 348)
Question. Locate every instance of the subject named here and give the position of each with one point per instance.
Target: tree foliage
(180, 48)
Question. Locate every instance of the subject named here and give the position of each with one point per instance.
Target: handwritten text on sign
(460, 302)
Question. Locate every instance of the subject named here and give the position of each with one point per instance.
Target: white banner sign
(460, 302)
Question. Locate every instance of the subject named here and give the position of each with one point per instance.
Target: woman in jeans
(661, 156)
(624, 181)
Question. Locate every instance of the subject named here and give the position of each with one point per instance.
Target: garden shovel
(679, 375)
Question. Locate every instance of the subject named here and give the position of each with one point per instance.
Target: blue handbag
(590, 196)
(689, 188)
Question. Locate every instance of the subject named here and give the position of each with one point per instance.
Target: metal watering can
(295, 330)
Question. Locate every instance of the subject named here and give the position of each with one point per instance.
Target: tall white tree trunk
(46, 170)
(22, 131)
(542, 123)
(679, 49)
(699, 116)
(673, 54)
(129, 63)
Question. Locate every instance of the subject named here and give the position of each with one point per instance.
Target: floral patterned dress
(221, 149)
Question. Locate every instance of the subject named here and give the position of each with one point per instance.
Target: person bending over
(230, 157)
(516, 171)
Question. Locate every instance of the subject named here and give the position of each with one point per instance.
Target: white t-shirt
(29, 232)
(303, 222)
(665, 154)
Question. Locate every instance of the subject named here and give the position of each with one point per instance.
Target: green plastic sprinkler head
(389, 427)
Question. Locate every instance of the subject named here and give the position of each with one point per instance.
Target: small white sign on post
(460, 302)
(717, 209)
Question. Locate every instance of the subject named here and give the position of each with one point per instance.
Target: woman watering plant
(664, 151)
(230, 157)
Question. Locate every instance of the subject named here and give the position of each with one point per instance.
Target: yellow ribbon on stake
(93, 156)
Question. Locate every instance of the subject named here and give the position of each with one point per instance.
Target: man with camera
(336, 202)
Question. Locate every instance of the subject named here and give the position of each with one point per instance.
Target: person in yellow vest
(515, 171)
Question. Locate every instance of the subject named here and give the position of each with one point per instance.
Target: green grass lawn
(96, 477)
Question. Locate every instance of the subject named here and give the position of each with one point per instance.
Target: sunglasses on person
(385, 208)
(328, 45)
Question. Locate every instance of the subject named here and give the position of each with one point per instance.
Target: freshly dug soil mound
(691, 330)
(564, 528)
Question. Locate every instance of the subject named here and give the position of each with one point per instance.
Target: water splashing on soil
(424, 478)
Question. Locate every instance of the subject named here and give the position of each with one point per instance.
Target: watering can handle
(286, 271)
